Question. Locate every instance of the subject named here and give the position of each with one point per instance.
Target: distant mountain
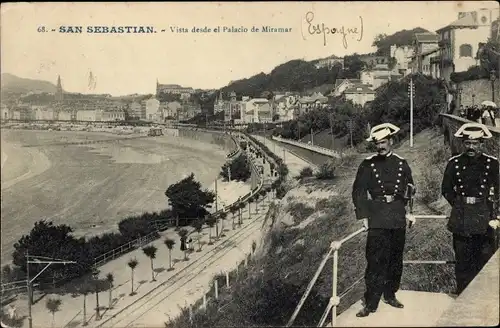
(15, 84)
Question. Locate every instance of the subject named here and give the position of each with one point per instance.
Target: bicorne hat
(473, 131)
(382, 131)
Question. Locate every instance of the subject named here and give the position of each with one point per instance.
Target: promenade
(155, 302)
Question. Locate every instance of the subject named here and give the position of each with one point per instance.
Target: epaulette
(398, 156)
(454, 158)
(492, 157)
(370, 157)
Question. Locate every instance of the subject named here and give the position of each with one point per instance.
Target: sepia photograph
(250, 164)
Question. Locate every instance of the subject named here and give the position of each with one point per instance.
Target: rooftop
(359, 88)
(468, 21)
(426, 37)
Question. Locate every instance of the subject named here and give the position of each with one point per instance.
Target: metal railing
(335, 299)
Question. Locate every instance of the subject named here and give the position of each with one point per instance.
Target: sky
(131, 63)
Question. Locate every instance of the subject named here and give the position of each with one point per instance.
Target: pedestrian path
(478, 305)
(294, 163)
(422, 309)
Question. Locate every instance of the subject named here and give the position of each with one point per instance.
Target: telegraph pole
(411, 91)
(45, 260)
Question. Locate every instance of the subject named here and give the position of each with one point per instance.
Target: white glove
(494, 224)
(335, 245)
(365, 224)
(411, 218)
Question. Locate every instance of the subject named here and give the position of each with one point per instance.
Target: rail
(317, 149)
(143, 240)
(335, 299)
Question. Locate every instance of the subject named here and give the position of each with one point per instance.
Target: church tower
(59, 90)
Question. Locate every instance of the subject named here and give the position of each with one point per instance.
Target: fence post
(190, 313)
(237, 270)
(205, 301)
(246, 260)
(227, 279)
(216, 288)
(334, 287)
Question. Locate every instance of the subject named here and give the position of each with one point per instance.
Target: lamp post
(493, 77)
(38, 260)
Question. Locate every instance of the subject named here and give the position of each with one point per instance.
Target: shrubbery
(305, 172)
(326, 171)
(238, 168)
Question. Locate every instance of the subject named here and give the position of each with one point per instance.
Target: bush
(300, 212)
(434, 164)
(305, 172)
(473, 73)
(239, 168)
(326, 171)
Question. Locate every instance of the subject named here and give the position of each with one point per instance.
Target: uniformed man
(378, 196)
(471, 186)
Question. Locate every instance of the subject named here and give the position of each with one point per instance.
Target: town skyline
(128, 64)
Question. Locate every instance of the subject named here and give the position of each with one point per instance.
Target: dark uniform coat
(379, 176)
(464, 177)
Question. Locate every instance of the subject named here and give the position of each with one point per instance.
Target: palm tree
(170, 245)
(110, 278)
(210, 221)
(84, 288)
(150, 251)
(198, 227)
(53, 305)
(250, 200)
(96, 283)
(241, 207)
(233, 209)
(183, 233)
(222, 216)
(132, 264)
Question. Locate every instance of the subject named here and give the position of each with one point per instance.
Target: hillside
(15, 84)
(383, 42)
(268, 292)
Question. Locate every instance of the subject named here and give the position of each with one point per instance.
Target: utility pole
(350, 130)
(411, 91)
(331, 128)
(35, 259)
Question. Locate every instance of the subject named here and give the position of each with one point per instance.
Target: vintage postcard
(188, 164)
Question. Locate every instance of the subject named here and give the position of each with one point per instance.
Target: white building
(89, 115)
(402, 54)
(459, 40)
(152, 109)
(359, 94)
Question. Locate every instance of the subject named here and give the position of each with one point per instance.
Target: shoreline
(105, 197)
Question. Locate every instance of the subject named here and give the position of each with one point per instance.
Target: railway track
(136, 310)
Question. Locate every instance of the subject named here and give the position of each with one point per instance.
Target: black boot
(364, 312)
(394, 303)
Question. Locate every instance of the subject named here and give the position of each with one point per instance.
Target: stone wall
(213, 137)
(481, 89)
(450, 125)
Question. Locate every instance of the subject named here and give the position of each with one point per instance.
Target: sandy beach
(93, 187)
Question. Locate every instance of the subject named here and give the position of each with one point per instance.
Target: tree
(84, 288)
(187, 199)
(233, 209)
(198, 227)
(110, 278)
(250, 200)
(53, 241)
(239, 169)
(150, 251)
(210, 221)
(53, 305)
(222, 216)
(183, 233)
(170, 245)
(241, 207)
(96, 283)
(132, 264)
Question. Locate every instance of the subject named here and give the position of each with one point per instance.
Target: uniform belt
(471, 200)
(387, 198)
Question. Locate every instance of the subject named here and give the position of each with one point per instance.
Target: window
(465, 50)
